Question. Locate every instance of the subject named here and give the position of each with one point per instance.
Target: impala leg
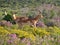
(35, 23)
(32, 24)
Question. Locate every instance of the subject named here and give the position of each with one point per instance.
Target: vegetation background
(47, 31)
(50, 9)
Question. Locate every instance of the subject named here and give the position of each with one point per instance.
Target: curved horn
(39, 12)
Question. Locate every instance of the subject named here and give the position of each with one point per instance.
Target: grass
(34, 36)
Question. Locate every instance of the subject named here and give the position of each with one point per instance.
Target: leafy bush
(10, 39)
(3, 31)
(40, 24)
(29, 35)
(8, 17)
(23, 34)
(20, 33)
(5, 23)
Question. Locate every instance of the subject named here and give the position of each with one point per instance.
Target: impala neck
(38, 16)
